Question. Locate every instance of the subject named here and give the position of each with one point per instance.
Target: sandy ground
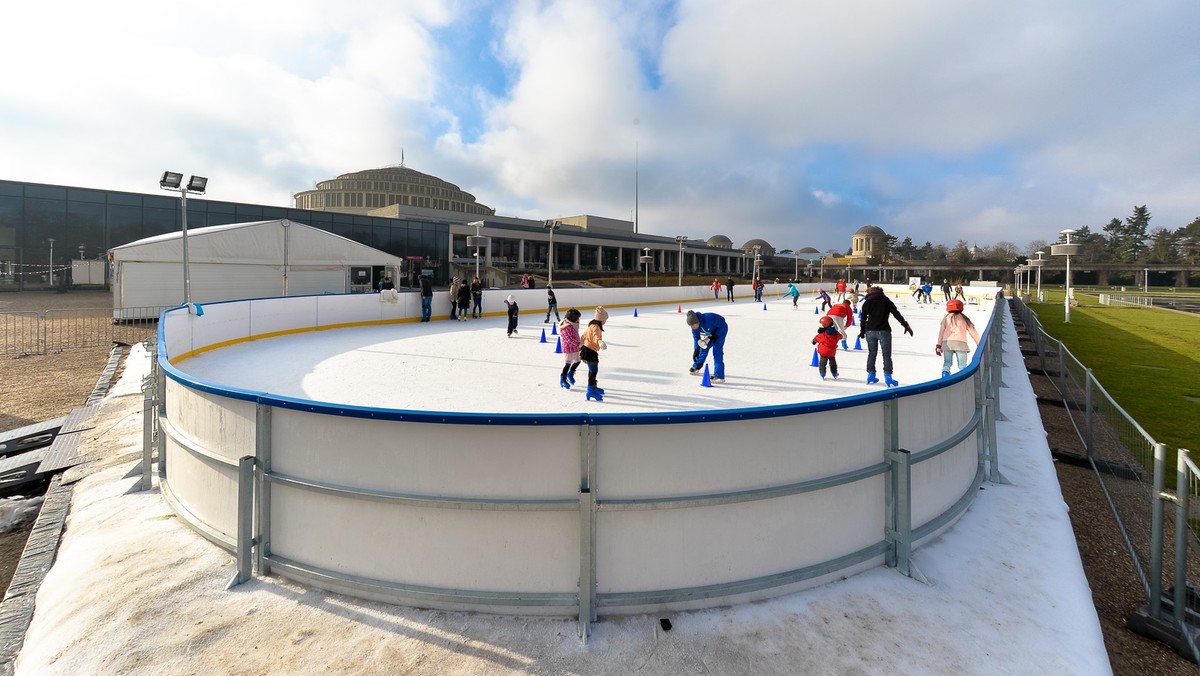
(135, 591)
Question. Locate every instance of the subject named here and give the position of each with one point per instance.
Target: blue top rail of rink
(641, 418)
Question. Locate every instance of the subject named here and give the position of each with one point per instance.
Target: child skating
(591, 342)
(568, 332)
(827, 340)
(952, 337)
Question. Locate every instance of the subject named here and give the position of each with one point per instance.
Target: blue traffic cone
(634, 312)
(816, 359)
(543, 336)
(764, 307)
(558, 347)
(554, 329)
(705, 380)
(858, 344)
(816, 311)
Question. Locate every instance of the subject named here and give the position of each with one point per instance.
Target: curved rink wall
(569, 514)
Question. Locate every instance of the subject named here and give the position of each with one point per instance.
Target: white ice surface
(135, 591)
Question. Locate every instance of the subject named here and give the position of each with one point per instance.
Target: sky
(1004, 588)
(797, 123)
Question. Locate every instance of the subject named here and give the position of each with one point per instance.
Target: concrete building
(363, 192)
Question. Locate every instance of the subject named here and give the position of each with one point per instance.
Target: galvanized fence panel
(1123, 457)
(23, 333)
(20, 333)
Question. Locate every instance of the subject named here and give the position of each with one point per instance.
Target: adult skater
(729, 288)
(716, 287)
(842, 317)
(476, 298)
(426, 283)
(757, 285)
(455, 285)
(708, 333)
(874, 326)
(551, 304)
(513, 311)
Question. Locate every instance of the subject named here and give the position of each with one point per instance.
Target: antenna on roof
(402, 158)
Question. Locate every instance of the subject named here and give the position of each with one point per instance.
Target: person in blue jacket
(708, 333)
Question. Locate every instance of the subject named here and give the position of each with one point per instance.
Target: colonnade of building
(533, 253)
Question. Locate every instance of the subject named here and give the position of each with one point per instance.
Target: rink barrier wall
(568, 514)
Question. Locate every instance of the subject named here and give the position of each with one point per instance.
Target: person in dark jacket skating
(873, 325)
(513, 311)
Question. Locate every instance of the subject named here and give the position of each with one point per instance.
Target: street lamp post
(645, 260)
(1038, 263)
(478, 241)
(1146, 280)
(50, 267)
(681, 239)
(551, 226)
(757, 260)
(171, 180)
(1066, 249)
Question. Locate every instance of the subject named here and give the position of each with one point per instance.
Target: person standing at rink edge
(513, 311)
(826, 341)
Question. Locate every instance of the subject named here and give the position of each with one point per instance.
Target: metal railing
(26, 333)
(251, 537)
(1130, 467)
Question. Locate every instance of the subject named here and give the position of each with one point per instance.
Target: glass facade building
(44, 227)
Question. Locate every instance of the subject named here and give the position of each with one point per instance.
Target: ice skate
(562, 382)
(719, 380)
(571, 378)
(945, 374)
(845, 346)
(599, 389)
(891, 382)
(872, 379)
(593, 393)
(835, 376)
(694, 371)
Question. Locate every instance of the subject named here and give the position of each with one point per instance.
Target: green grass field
(1147, 359)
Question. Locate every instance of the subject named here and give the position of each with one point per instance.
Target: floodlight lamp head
(197, 184)
(170, 180)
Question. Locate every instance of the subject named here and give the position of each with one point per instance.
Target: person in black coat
(513, 311)
(873, 325)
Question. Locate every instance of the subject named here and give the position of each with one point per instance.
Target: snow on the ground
(135, 591)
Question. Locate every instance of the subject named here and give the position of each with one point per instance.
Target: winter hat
(692, 319)
(601, 314)
(510, 299)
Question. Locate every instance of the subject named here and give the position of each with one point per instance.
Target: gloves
(695, 355)
(938, 350)
(603, 345)
(908, 329)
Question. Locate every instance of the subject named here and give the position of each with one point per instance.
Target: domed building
(764, 248)
(866, 243)
(720, 241)
(362, 192)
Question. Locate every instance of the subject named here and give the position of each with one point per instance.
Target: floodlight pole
(50, 267)
(196, 184)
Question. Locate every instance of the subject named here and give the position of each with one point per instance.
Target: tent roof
(257, 242)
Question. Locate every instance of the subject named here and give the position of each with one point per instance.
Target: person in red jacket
(841, 290)
(826, 340)
(843, 316)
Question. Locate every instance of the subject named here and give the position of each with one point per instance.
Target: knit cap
(601, 314)
(692, 319)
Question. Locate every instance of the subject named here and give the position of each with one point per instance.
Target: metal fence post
(1182, 494)
(1087, 414)
(262, 483)
(1156, 531)
(891, 444)
(148, 414)
(901, 536)
(587, 531)
(245, 519)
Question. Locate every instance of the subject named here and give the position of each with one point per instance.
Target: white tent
(240, 260)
